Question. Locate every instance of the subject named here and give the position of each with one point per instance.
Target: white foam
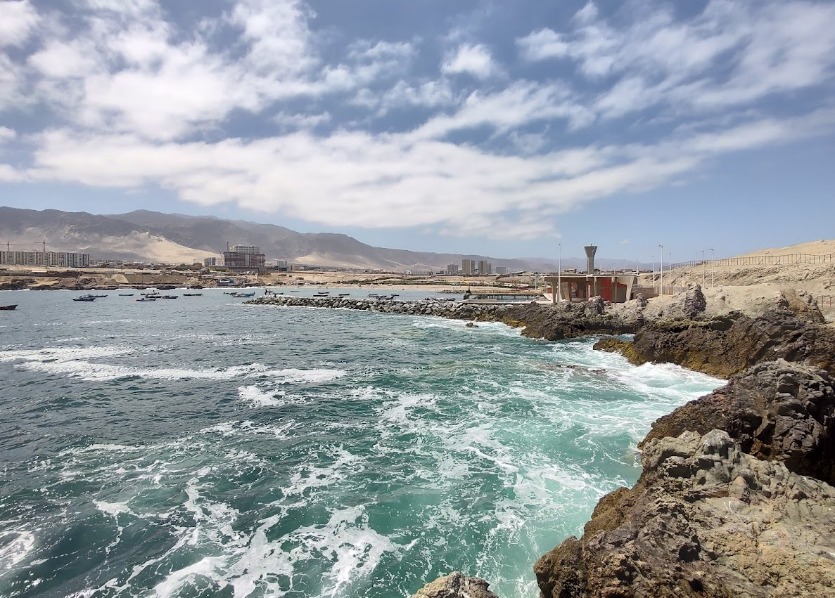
(313, 376)
(208, 567)
(259, 398)
(113, 509)
(74, 362)
(311, 476)
(15, 550)
(349, 541)
(63, 353)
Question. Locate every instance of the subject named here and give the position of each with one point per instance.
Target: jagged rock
(704, 519)
(727, 345)
(801, 304)
(694, 302)
(595, 305)
(456, 585)
(777, 411)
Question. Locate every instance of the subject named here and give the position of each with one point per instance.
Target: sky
(510, 129)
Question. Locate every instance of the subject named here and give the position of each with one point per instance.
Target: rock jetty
(548, 322)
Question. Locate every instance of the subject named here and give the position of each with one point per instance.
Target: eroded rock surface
(705, 519)
(727, 345)
(456, 585)
(777, 411)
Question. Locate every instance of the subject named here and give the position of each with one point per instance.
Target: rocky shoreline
(736, 495)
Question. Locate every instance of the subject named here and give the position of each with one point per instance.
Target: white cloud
(17, 22)
(356, 179)
(132, 92)
(541, 45)
(521, 103)
(587, 14)
(471, 59)
(7, 134)
(765, 48)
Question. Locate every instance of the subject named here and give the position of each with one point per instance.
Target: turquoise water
(202, 447)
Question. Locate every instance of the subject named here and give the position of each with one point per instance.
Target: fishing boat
(147, 299)
(169, 297)
(192, 294)
(8, 307)
(252, 294)
(125, 294)
(85, 298)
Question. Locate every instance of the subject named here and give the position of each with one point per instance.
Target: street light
(712, 268)
(559, 275)
(704, 267)
(662, 269)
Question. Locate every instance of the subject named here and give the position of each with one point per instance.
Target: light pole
(662, 269)
(704, 267)
(559, 275)
(712, 268)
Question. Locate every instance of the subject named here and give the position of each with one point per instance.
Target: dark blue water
(202, 447)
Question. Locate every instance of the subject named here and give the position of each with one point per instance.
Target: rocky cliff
(744, 508)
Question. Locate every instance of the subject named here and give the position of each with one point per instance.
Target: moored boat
(8, 307)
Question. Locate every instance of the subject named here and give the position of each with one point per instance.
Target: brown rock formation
(456, 585)
(727, 345)
(705, 519)
(777, 411)
(735, 499)
(569, 320)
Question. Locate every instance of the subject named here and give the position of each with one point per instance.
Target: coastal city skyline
(473, 128)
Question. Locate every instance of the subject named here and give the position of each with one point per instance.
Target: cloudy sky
(500, 128)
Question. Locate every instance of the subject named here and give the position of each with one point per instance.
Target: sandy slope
(753, 288)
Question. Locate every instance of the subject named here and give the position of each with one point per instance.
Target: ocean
(203, 447)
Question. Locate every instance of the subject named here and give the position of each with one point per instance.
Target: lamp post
(559, 275)
(662, 269)
(712, 268)
(704, 267)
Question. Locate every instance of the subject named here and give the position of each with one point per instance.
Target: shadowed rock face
(735, 499)
(777, 411)
(705, 519)
(728, 345)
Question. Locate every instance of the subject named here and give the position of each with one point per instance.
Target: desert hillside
(750, 284)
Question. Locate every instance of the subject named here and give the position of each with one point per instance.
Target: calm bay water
(202, 447)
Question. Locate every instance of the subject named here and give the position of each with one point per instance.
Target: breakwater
(458, 310)
(545, 321)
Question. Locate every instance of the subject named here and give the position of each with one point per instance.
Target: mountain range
(175, 238)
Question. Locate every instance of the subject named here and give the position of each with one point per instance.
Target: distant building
(501, 270)
(57, 259)
(242, 258)
(452, 269)
(210, 262)
(485, 268)
(467, 267)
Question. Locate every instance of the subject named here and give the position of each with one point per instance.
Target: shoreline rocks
(704, 519)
